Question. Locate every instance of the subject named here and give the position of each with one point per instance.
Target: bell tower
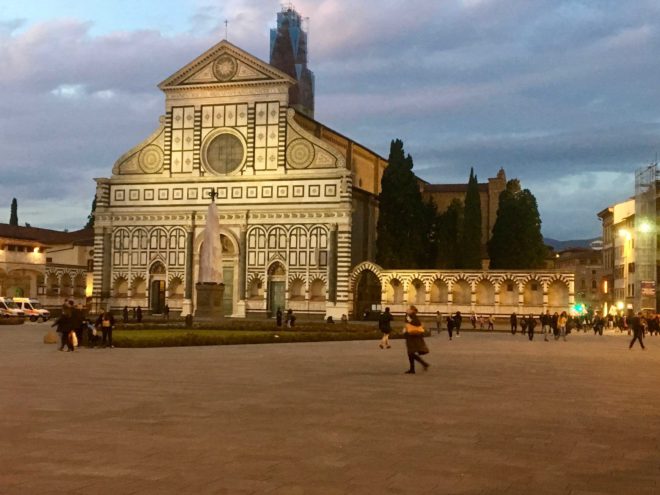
(288, 53)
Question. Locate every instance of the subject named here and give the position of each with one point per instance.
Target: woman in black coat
(415, 345)
(64, 326)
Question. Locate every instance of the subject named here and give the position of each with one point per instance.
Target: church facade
(283, 184)
(297, 204)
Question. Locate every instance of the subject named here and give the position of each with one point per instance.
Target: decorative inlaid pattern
(151, 159)
(300, 154)
(224, 68)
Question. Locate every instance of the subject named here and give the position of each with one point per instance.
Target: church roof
(83, 237)
(225, 63)
(448, 188)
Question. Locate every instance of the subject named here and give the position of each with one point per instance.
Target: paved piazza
(494, 414)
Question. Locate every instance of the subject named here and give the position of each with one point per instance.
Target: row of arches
(491, 291)
(484, 292)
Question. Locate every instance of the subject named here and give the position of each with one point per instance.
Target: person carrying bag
(415, 344)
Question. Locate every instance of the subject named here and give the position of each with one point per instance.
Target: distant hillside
(561, 245)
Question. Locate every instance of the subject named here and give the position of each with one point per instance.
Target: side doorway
(276, 288)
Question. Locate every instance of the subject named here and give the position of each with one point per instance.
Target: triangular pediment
(225, 64)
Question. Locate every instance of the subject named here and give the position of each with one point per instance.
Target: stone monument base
(209, 301)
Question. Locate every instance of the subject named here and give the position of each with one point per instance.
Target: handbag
(414, 330)
(73, 339)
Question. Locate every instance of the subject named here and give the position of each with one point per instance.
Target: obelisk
(210, 284)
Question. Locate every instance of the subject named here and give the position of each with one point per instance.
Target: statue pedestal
(209, 301)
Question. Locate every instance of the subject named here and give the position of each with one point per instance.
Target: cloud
(558, 92)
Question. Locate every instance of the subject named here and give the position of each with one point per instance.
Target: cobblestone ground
(494, 414)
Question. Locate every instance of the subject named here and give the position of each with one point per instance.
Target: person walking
(438, 321)
(278, 317)
(63, 324)
(561, 323)
(290, 318)
(546, 323)
(415, 345)
(124, 314)
(139, 314)
(513, 319)
(555, 325)
(598, 324)
(491, 323)
(450, 326)
(531, 325)
(106, 323)
(458, 319)
(385, 327)
(637, 323)
(523, 325)
(166, 311)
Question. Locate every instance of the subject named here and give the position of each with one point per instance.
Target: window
(225, 153)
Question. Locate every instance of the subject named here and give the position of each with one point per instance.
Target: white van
(32, 308)
(8, 308)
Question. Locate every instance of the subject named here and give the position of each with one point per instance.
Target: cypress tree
(448, 233)
(402, 228)
(517, 242)
(13, 216)
(471, 238)
(90, 217)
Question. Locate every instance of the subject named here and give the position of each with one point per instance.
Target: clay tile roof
(47, 236)
(451, 187)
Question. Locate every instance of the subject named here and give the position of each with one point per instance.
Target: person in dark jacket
(125, 314)
(63, 324)
(384, 325)
(531, 325)
(278, 317)
(637, 323)
(415, 345)
(106, 323)
(450, 326)
(458, 319)
(546, 324)
(513, 319)
(139, 314)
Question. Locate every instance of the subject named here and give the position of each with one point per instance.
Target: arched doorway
(276, 288)
(368, 292)
(157, 288)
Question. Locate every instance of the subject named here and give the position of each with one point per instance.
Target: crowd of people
(557, 326)
(75, 328)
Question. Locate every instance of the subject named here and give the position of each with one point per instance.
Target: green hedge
(181, 338)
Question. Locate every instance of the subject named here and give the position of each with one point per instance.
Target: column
(186, 308)
(107, 267)
(332, 265)
(242, 263)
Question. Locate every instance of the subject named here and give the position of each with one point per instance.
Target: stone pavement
(495, 414)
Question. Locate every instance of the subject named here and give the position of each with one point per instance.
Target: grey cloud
(547, 89)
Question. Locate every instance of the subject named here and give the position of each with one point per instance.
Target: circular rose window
(225, 153)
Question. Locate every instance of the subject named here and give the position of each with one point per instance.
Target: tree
(447, 234)
(403, 229)
(13, 216)
(90, 217)
(471, 232)
(517, 242)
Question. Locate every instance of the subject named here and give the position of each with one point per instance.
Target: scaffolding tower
(646, 231)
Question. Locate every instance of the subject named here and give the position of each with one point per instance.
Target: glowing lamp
(645, 227)
(619, 305)
(624, 233)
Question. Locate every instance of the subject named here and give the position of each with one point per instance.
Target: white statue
(210, 263)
